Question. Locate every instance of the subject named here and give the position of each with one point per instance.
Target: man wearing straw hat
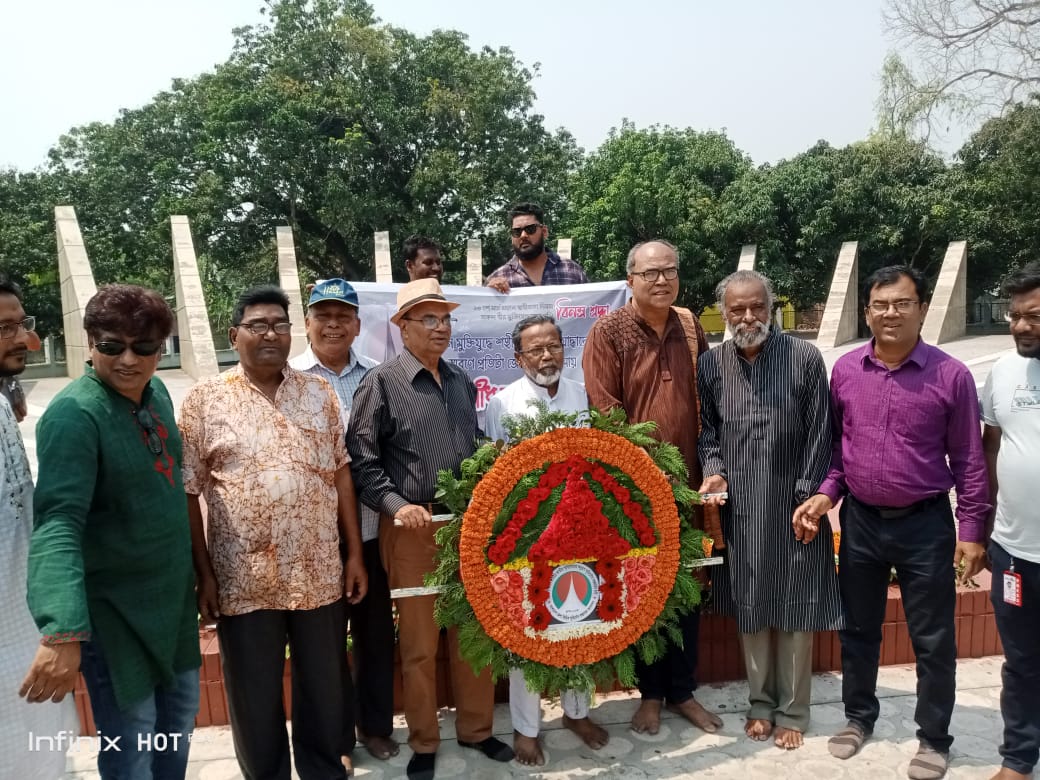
(413, 416)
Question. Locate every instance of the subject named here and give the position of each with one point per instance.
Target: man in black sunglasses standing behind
(110, 577)
(532, 264)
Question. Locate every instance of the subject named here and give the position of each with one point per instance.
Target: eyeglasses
(10, 329)
(553, 349)
(530, 230)
(261, 328)
(651, 275)
(901, 306)
(139, 348)
(431, 321)
(1031, 318)
(146, 421)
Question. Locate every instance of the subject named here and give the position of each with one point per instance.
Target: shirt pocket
(315, 448)
(918, 419)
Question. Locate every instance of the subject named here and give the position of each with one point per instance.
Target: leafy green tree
(27, 245)
(328, 121)
(890, 195)
(656, 183)
(998, 194)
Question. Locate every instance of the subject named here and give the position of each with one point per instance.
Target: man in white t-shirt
(1011, 412)
(538, 343)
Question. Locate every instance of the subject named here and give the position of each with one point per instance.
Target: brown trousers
(407, 555)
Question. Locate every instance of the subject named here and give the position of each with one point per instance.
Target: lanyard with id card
(1012, 586)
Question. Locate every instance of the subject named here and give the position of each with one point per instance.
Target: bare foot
(380, 747)
(1010, 774)
(692, 710)
(788, 739)
(758, 729)
(592, 734)
(528, 751)
(647, 719)
(348, 765)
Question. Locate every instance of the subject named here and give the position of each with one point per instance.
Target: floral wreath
(566, 552)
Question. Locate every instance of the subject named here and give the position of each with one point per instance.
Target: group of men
(310, 494)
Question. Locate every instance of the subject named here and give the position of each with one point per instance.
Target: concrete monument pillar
(840, 323)
(563, 248)
(77, 287)
(384, 264)
(289, 279)
(198, 355)
(745, 263)
(947, 317)
(474, 262)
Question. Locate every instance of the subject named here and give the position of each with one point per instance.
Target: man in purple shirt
(532, 264)
(901, 408)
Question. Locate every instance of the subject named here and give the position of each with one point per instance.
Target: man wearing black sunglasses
(532, 264)
(110, 573)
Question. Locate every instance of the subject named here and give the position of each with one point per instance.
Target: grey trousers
(779, 667)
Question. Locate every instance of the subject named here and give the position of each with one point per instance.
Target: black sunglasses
(530, 230)
(146, 421)
(139, 348)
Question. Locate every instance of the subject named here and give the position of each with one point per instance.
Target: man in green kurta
(111, 584)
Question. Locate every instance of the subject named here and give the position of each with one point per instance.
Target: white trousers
(525, 705)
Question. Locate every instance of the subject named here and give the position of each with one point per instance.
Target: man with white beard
(538, 343)
(766, 440)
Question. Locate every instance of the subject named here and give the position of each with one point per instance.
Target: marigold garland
(496, 565)
(570, 451)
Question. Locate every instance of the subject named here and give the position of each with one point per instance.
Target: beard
(1026, 349)
(532, 251)
(750, 336)
(545, 378)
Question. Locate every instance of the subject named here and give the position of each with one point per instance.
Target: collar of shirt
(670, 325)
(551, 258)
(918, 355)
(307, 360)
(412, 367)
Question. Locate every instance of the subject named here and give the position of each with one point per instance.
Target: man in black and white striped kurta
(766, 439)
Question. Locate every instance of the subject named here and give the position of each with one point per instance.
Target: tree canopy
(327, 120)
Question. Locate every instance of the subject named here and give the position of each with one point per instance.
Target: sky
(776, 76)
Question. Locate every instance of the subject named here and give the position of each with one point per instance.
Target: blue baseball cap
(338, 290)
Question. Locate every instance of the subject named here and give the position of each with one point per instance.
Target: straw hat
(419, 291)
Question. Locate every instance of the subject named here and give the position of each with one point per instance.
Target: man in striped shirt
(766, 440)
(413, 416)
(905, 431)
(333, 323)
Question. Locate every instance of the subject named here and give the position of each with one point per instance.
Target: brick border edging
(721, 659)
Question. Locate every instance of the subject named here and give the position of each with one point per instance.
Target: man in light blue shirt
(332, 324)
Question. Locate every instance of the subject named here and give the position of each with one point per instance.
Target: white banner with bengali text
(482, 336)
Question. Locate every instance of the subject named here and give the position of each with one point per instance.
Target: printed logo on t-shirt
(1026, 398)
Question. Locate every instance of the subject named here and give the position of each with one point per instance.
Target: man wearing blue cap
(333, 323)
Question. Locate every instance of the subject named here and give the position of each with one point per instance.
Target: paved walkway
(680, 750)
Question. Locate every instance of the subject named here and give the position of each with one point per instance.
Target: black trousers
(672, 679)
(252, 648)
(372, 628)
(1019, 629)
(920, 546)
